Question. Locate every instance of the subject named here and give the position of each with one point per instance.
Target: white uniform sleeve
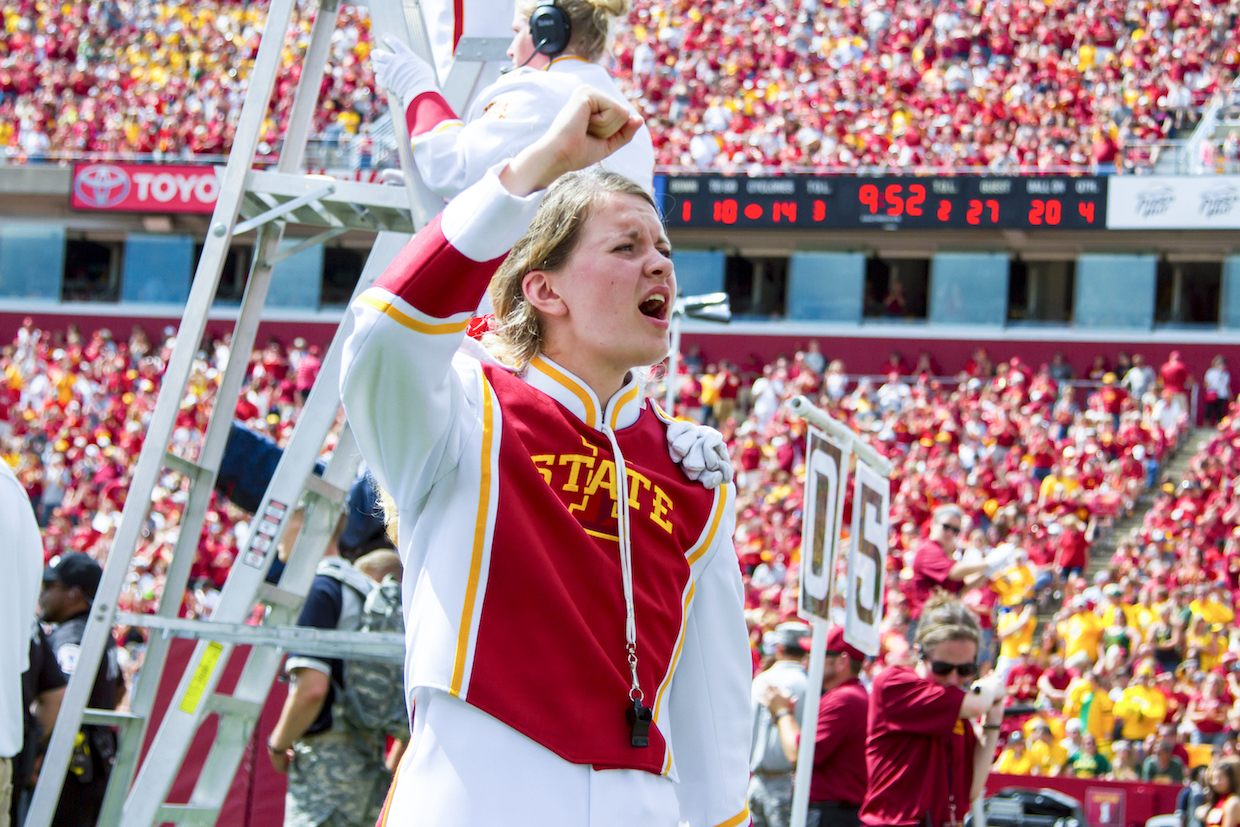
(23, 561)
(710, 715)
(408, 407)
(511, 116)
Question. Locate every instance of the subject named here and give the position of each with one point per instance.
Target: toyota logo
(101, 186)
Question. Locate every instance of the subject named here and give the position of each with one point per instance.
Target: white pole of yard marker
(820, 531)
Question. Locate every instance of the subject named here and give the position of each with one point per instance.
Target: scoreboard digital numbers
(886, 202)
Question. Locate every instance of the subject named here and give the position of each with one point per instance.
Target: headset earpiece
(550, 29)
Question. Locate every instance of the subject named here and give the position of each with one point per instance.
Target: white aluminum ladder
(265, 202)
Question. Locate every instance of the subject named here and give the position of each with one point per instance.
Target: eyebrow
(636, 235)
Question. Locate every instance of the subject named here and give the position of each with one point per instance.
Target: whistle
(639, 718)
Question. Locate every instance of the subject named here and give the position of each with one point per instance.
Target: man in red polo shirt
(933, 564)
(837, 785)
(1175, 379)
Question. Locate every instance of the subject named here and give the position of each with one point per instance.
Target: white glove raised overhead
(700, 452)
(402, 72)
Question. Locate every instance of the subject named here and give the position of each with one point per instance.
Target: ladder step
(182, 466)
(325, 489)
(351, 204)
(108, 717)
(194, 814)
(232, 705)
(276, 596)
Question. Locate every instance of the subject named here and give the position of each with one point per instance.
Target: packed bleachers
(904, 84)
(75, 412)
(1046, 467)
(168, 78)
(885, 83)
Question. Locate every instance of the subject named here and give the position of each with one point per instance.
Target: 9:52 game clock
(1027, 203)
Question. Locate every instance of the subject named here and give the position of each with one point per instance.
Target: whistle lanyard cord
(626, 562)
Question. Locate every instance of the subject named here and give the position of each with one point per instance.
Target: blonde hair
(944, 618)
(379, 563)
(387, 504)
(547, 245)
(590, 21)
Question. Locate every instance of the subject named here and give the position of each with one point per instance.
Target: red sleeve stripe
(427, 111)
(435, 278)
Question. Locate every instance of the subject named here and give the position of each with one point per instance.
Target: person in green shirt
(1088, 762)
(1163, 766)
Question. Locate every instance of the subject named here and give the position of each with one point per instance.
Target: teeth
(657, 299)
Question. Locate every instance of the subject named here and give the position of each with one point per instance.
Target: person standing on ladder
(68, 591)
(576, 647)
(556, 48)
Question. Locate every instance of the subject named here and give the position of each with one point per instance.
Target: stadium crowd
(167, 78)
(75, 410)
(1041, 466)
(735, 86)
(904, 84)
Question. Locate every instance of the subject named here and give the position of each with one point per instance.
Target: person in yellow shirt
(1141, 707)
(1015, 585)
(1082, 631)
(1088, 700)
(1016, 759)
(1015, 633)
(710, 388)
(1144, 613)
(1047, 751)
(1210, 608)
(1115, 612)
(1060, 483)
(1205, 640)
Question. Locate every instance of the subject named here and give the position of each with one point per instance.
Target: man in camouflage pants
(337, 773)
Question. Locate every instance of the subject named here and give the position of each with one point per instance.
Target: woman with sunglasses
(934, 564)
(927, 758)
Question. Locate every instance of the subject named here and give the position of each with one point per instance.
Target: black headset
(550, 28)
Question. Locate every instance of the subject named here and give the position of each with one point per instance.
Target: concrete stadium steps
(1103, 549)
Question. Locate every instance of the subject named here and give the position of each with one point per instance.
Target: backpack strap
(354, 597)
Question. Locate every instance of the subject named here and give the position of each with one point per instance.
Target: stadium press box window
(32, 261)
(1115, 291)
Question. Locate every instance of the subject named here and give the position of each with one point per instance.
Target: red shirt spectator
(915, 735)
(1174, 374)
(839, 751)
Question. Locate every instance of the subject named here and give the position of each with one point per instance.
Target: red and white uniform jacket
(504, 119)
(509, 529)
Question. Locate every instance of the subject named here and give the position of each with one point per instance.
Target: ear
(541, 293)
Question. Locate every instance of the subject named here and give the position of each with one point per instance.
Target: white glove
(700, 452)
(402, 72)
(999, 560)
(991, 688)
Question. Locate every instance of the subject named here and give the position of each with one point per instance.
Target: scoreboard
(888, 202)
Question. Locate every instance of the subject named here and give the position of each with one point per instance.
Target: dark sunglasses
(954, 529)
(831, 653)
(942, 668)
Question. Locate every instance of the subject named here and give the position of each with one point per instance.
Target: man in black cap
(68, 591)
